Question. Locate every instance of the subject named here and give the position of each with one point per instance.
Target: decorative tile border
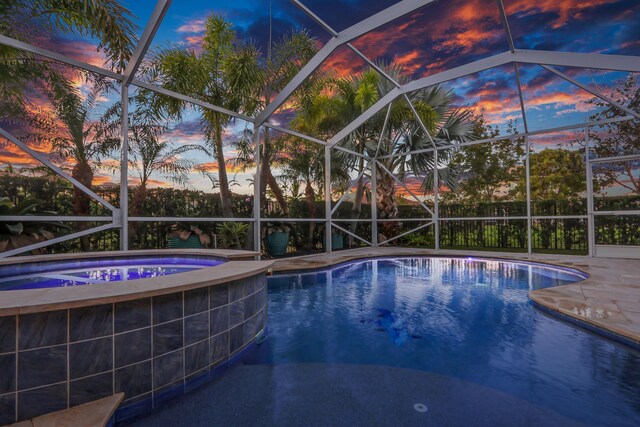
(152, 348)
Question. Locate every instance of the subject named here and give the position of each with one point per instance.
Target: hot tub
(151, 324)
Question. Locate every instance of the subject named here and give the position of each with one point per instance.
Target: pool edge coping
(15, 302)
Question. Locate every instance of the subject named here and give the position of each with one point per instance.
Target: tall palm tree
(224, 73)
(445, 125)
(285, 59)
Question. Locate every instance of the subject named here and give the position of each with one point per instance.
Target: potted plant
(189, 236)
(276, 237)
(337, 240)
(232, 234)
(17, 234)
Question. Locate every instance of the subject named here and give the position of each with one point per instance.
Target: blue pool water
(460, 318)
(53, 274)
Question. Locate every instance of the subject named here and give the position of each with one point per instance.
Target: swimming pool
(420, 341)
(96, 271)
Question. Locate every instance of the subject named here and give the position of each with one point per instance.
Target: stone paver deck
(609, 299)
(91, 414)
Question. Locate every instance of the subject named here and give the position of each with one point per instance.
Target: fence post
(327, 198)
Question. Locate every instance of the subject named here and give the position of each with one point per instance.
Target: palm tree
(148, 154)
(285, 59)
(328, 112)
(303, 164)
(224, 73)
(75, 136)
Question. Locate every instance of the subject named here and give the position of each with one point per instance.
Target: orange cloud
(564, 9)
(103, 180)
(151, 183)
(213, 167)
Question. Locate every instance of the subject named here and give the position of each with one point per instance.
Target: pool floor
(418, 342)
(345, 395)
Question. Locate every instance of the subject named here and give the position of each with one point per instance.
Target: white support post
(124, 171)
(8, 41)
(505, 22)
(528, 181)
(294, 133)
(527, 145)
(327, 198)
(257, 244)
(591, 226)
(436, 204)
(374, 203)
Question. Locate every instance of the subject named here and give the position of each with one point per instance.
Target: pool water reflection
(463, 318)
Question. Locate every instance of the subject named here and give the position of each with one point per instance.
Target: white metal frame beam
(582, 60)
(381, 18)
(45, 161)
(145, 40)
(56, 240)
(591, 91)
(8, 41)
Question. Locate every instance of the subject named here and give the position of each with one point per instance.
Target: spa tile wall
(152, 349)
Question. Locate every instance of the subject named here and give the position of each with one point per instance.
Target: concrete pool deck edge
(238, 265)
(608, 300)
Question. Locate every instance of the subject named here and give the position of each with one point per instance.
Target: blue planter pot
(276, 243)
(192, 242)
(337, 241)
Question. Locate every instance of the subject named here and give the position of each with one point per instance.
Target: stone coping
(48, 299)
(91, 414)
(608, 300)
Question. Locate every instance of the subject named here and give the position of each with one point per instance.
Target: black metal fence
(505, 233)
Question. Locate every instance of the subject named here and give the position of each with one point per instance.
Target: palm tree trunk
(356, 208)
(223, 180)
(387, 206)
(137, 207)
(81, 202)
(277, 192)
(267, 178)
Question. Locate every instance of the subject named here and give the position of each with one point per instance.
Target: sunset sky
(445, 34)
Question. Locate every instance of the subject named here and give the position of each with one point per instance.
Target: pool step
(92, 414)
